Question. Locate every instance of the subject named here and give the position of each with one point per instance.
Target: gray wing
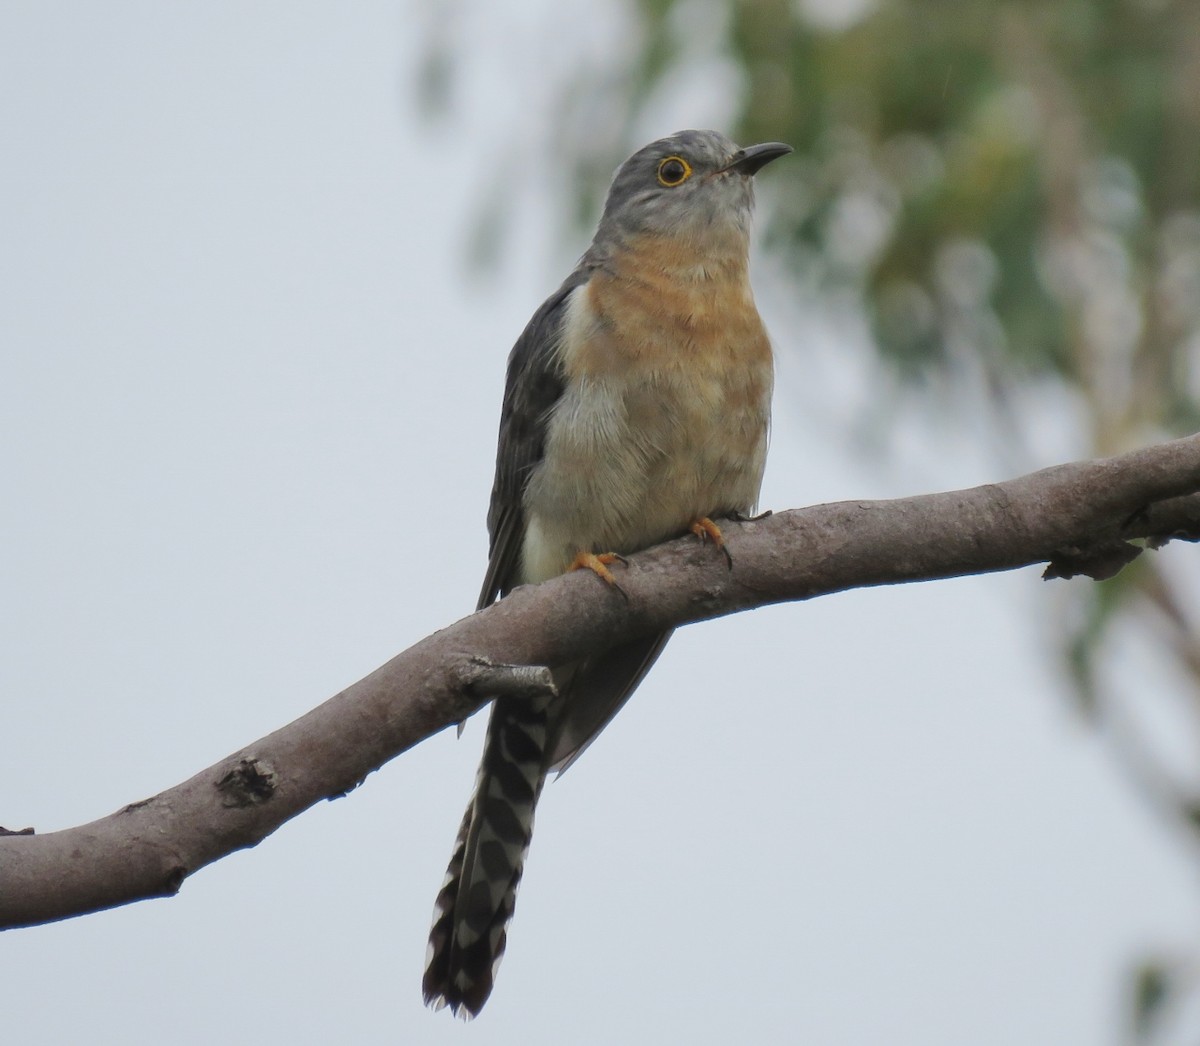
(599, 687)
(533, 386)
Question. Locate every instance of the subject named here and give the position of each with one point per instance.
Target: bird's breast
(665, 413)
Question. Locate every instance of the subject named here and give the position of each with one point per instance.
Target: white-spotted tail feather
(477, 899)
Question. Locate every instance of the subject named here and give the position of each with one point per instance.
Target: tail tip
(459, 1004)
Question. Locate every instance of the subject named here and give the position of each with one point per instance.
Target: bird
(636, 409)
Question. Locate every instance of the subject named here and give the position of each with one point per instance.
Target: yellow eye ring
(673, 171)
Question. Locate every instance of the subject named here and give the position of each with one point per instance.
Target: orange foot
(706, 530)
(598, 564)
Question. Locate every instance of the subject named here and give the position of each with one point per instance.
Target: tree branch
(1078, 518)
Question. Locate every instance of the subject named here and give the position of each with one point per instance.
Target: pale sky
(249, 388)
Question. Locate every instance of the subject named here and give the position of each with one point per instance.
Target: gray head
(694, 184)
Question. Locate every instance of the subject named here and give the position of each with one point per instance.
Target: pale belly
(634, 461)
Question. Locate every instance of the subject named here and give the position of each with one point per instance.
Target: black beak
(754, 158)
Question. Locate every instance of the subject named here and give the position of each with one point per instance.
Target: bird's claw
(598, 563)
(706, 530)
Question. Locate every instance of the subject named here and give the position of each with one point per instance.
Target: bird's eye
(672, 171)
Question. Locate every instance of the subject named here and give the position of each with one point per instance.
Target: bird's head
(697, 185)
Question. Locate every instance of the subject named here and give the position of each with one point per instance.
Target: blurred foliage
(1151, 992)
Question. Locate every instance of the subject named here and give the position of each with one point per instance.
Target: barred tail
(477, 899)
